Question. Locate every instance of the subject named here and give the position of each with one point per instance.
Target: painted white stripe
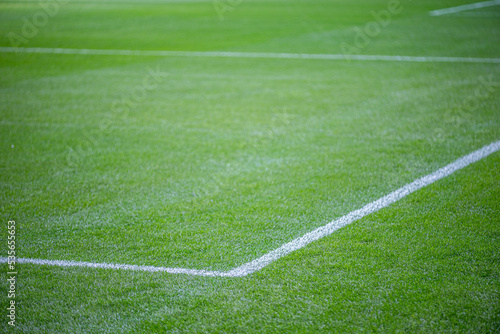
(395, 196)
(478, 14)
(151, 269)
(248, 55)
(304, 240)
(462, 8)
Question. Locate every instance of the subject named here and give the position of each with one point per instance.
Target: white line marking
(478, 14)
(302, 241)
(364, 211)
(151, 269)
(462, 8)
(217, 54)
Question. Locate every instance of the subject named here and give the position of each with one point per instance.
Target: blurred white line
(478, 14)
(462, 8)
(216, 54)
(300, 242)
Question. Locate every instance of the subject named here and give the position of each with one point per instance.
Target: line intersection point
(301, 242)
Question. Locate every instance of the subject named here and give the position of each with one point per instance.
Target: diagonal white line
(395, 196)
(462, 8)
(302, 241)
(217, 54)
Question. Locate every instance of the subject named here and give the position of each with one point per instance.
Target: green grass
(227, 159)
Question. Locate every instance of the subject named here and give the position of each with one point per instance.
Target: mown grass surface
(224, 160)
(429, 263)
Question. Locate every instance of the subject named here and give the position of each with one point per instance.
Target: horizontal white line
(247, 55)
(462, 8)
(300, 242)
(62, 263)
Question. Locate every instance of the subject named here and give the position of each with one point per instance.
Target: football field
(250, 166)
